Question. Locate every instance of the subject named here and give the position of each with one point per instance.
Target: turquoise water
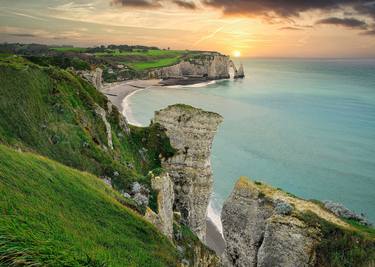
(306, 126)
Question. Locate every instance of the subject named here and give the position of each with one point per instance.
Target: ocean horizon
(306, 126)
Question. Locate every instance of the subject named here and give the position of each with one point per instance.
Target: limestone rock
(102, 113)
(163, 220)
(213, 66)
(260, 230)
(94, 77)
(240, 72)
(341, 211)
(191, 132)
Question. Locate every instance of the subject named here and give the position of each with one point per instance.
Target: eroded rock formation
(94, 77)
(262, 228)
(212, 65)
(191, 132)
(163, 219)
(102, 113)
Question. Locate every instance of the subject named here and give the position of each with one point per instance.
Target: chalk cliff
(163, 219)
(213, 66)
(191, 132)
(264, 226)
(95, 77)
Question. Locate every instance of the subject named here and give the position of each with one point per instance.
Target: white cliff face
(191, 132)
(212, 66)
(102, 113)
(259, 230)
(163, 219)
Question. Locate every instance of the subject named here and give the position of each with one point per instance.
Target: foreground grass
(52, 215)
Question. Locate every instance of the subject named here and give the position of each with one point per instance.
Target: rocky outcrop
(191, 132)
(163, 219)
(262, 228)
(343, 212)
(102, 113)
(240, 73)
(94, 77)
(212, 65)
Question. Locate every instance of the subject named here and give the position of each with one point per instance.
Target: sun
(236, 53)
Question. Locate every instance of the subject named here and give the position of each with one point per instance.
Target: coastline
(120, 95)
(119, 91)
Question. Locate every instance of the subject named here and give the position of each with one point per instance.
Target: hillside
(55, 113)
(61, 142)
(118, 62)
(57, 216)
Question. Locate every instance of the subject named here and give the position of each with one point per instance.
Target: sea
(306, 126)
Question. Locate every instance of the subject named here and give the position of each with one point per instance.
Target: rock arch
(237, 73)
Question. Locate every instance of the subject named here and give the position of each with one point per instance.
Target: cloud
(344, 22)
(289, 28)
(367, 8)
(22, 34)
(26, 15)
(185, 4)
(137, 3)
(291, 8)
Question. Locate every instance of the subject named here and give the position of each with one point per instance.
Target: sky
(263, 28)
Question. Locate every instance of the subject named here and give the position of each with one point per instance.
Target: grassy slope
(51, 112)
(144, 60)
(57, 216)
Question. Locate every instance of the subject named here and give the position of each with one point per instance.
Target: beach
(119, 94)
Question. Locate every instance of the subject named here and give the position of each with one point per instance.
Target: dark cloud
(366, 8)
(290, 8)
(185, 4)
(22, 34)
(290, 29)
(137, 3)
(345, 22)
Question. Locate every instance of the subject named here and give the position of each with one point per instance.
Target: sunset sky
(266, 28)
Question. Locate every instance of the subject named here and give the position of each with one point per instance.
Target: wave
(214, 215)
(197, 85)
(127, 111)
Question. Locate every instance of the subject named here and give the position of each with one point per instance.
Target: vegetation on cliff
(53, 215)
(119, 62)
(342, 242)
(54, 148)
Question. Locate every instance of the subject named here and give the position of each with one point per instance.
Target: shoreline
(120, 96)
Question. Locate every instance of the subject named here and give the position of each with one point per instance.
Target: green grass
(150, 53)
(341, 247)
(140, 60)
(164, 62)
(51, 111)
(69, 49)
(53, 215)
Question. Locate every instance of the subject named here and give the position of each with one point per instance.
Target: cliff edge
(264, 226)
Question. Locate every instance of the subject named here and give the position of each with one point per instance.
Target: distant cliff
(214, 66)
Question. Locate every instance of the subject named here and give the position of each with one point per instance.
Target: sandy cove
(117, 92)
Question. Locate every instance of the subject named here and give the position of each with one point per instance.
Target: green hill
(51, 111)
(54, 209)
(52, 215)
